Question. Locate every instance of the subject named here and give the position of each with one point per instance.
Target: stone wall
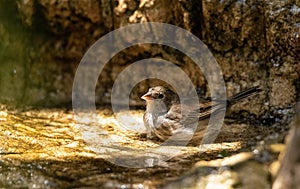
(44, 41)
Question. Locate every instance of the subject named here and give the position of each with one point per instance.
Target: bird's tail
(244, 94)
(214, 107)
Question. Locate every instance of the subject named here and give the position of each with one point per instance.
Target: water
(43, 149)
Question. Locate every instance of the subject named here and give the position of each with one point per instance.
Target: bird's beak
(147, 96)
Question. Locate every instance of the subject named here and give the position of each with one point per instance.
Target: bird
(163, 117)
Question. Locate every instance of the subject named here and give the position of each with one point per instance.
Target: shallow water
(47, 148)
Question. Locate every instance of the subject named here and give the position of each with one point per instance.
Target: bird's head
(160, 94)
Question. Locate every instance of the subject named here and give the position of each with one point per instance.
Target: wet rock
(237, 171)
(289, 172)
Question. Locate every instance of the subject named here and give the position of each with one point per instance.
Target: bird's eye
(161, 96)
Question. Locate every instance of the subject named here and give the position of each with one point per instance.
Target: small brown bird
(163, 116)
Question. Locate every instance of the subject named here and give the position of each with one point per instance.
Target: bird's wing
(189, 118)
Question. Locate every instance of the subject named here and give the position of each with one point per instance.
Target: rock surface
(252, 42)
(289, 172)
